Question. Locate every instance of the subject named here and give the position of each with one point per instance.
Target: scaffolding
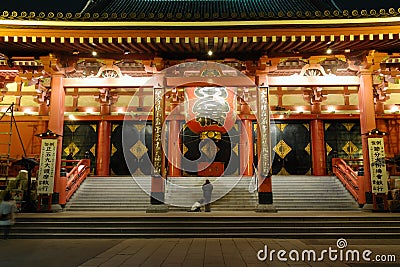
(7, 117)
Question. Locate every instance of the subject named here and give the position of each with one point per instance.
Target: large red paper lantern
(210, 110)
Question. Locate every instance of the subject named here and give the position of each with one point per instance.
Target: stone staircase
(311, 193)
(111, 194)
(207, 225)
(290, 193)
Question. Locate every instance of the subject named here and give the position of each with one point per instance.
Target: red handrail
(76, 176)
(350, 179)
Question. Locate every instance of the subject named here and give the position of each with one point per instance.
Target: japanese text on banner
(47, 166)
(377, 165)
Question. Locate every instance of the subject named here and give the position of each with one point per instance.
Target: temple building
(195, 89)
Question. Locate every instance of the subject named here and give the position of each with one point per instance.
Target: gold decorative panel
(93, 149)
(282, 126)
(73, 127)
(308, 149)
(327, 125)
(282, 149)
(185, 149)
(139, 149)
(236, 149)
(115, 126)
(138, 172)
(94, 126)
(350, 148)
(328, 148)
(307, 126)
(349, 126)
(209, 149)
(139, 127)
(113, 149)
(283, 171)
(72, 148)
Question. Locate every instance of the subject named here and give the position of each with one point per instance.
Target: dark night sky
(43, 5)
(367, 4)
(77, 5)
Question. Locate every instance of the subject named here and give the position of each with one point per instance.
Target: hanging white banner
(47, 166)
(377, 165)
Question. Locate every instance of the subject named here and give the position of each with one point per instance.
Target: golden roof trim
(197, 18)
(198, 24)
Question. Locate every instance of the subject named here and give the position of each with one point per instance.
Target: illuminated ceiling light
(347, 50)
(94, 53)
(296, 51)
(28, 111)
(331, 109)
(75, 52)
(394, 109)
(210, 53)
(126, 52)
(329, 51)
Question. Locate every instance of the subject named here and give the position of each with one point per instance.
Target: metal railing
(350, 179)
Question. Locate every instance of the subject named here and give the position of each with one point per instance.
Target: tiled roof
(211, 10)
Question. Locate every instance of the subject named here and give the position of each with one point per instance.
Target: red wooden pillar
(104, 141)
(56, 122)
(318, 147)
(103, 148)
(246, 142)
(367, 123)
(174, 151)
(316, 108)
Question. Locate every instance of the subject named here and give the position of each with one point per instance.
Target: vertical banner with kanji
(377, 166)
(47, 166)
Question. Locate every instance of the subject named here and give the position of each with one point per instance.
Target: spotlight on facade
(94, 53)
(126, 52)
(210, 53)
(331, 110)
(329, 51)
(394, 109)
(376, 131)
(75, 52)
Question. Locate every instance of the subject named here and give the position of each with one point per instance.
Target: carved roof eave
(294, 72)
(186, 16)
(309, 20)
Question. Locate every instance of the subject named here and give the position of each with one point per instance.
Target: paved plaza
(193, 252)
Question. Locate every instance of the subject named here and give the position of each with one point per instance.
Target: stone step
(181, 192)
(310, 227)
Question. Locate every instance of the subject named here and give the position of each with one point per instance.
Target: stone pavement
(191, 252)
